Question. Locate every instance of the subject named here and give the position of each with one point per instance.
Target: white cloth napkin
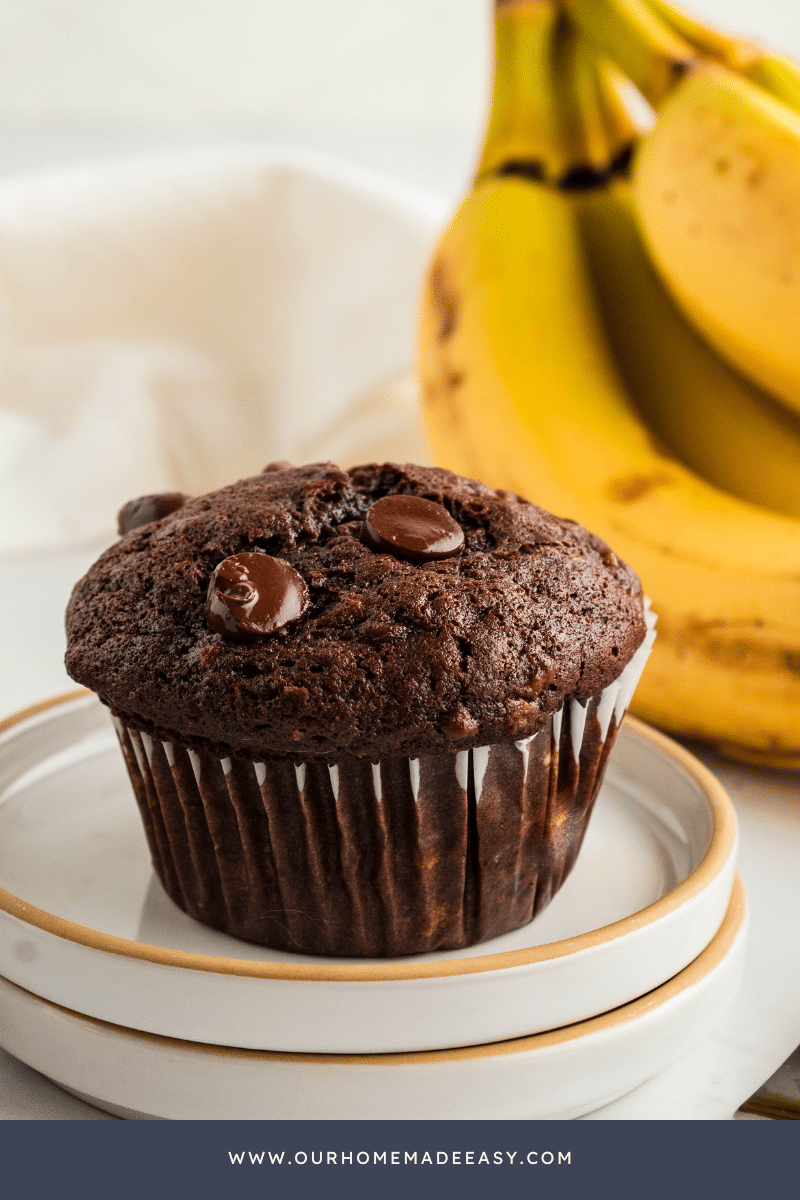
(175, 324)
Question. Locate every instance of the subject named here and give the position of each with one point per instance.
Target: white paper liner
(614, 701)
(503, 783)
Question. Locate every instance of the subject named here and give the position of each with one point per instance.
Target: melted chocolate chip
(145, 509)
(251, 595)
(412, 528)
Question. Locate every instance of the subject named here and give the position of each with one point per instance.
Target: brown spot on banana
(630, 488)
(731, 644)
(774, 754)
(445, 301)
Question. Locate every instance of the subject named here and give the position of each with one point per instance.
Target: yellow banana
(523, 390)
(717, 182)
(707, 414)
(717, 190)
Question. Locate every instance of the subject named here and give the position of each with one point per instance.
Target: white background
(399, 85)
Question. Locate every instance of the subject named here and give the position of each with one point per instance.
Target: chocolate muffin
(364, 712)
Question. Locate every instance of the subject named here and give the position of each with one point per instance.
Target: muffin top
(382, 655)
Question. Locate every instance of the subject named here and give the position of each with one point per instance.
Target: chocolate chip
(413, 528)
(250, 595)
(145, 509)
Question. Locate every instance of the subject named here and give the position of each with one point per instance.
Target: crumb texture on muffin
(391, 659)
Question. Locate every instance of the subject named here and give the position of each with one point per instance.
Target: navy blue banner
(140, 1160)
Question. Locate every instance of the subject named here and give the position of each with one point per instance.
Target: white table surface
(759, 1031)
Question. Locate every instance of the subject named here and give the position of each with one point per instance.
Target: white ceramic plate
(83, 922)
(556, 1075)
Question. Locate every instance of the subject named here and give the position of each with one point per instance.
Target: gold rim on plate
(701, 967)
(722, 842)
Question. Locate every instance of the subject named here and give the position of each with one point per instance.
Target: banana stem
(736, 53)
(635, 37)
(773, 73)
(557, 115)
(522, 121)
(621, 126)
(576, 85)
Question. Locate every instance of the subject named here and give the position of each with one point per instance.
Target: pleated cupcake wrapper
(368, 859)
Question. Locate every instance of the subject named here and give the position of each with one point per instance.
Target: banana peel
(709, 416)
(521, 390)
(542, 335)
(717, 191)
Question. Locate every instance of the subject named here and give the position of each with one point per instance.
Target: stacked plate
(119, 997)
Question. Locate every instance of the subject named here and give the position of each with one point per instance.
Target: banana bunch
(717, 183)
(555, 363)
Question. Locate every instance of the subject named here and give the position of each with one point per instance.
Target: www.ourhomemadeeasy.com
(400, 1158)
